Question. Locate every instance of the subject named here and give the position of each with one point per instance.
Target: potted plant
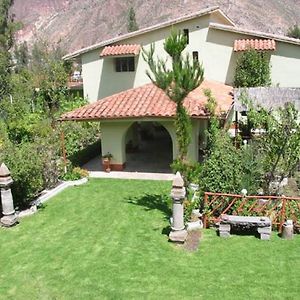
(106, 161)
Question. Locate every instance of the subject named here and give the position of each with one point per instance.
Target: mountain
(75, 24)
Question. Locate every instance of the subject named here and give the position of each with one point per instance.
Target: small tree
(131, 20)
(253, 69)
(279, 143)
(184, 76)
(294, 32)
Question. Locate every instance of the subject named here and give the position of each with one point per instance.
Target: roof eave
(260, 34)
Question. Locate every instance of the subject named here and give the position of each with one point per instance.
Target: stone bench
(263, 225)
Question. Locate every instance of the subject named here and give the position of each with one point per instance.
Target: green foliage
(213, 123)
(280, 142)
(75, 174)
(183, 127)
(184, 76)
(189, 171)
(294, 32)
(79, 135)
(174, 45)
(222, 170)
(29, 135)
(131, 20)
(34, 167)
(6, 41)
(21, 55)
(253, 69)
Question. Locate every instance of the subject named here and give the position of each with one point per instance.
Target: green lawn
(107, 240)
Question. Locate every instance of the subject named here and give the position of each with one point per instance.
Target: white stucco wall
(115, 133)
(285, 65)
(215, 49)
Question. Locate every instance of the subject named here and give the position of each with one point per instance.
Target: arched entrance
(148, 148)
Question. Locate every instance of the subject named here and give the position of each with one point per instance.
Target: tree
(131, 20)
(279, 143)
(253, 69)
(21, 56)
(184, 76)
(6, 42)
(294, 32)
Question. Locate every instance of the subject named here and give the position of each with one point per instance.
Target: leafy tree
(294, 32)
(184, 76)
(253, 69)
(131, 20)
(279, 143)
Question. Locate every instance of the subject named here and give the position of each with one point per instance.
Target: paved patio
(151, 161)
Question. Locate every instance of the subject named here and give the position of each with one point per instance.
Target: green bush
(222, 171)
(79, 135)
(75, 174)
(253, 69)
(26, 166)
(34, 166)
(294, 32)
(189, 171)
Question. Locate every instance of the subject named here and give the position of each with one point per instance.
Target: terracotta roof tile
(120, 50)
(150, 101)
(257, 44)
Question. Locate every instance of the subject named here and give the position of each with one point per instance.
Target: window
(195, 55)
(186, 34)
(125, 64)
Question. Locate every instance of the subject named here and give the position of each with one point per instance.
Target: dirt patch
(192, 241)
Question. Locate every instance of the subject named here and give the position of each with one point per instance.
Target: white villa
(126, 103)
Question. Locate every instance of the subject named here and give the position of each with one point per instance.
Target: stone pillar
(9, 216)
(288, 230)
(178, 232)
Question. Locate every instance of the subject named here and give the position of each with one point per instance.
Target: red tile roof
(150, 101)
(120, 50)
(257, 44)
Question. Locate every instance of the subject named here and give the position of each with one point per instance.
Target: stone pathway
(132, 175)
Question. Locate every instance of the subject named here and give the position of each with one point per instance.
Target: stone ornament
(9, 215)
(178, 233)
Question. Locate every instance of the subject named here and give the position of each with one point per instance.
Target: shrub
(26, 166)
(189, 171)
(34, 166)
(253, 69)
(80, 135)
(75, 174)
(294, 32)
(222, 171)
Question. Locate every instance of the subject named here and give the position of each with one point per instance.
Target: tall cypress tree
(6, 42)
(131, 21)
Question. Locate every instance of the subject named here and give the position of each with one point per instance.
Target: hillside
(76, 24)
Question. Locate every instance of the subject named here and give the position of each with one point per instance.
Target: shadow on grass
(155, 202)
(152, 202)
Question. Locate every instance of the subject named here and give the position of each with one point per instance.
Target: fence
(277, 208)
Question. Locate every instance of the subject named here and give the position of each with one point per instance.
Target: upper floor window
(195, 55)
(125, 64)
(186, 34)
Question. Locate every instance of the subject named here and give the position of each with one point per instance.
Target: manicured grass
(107, 240)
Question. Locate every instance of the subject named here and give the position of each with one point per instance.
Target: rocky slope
(76, 24)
